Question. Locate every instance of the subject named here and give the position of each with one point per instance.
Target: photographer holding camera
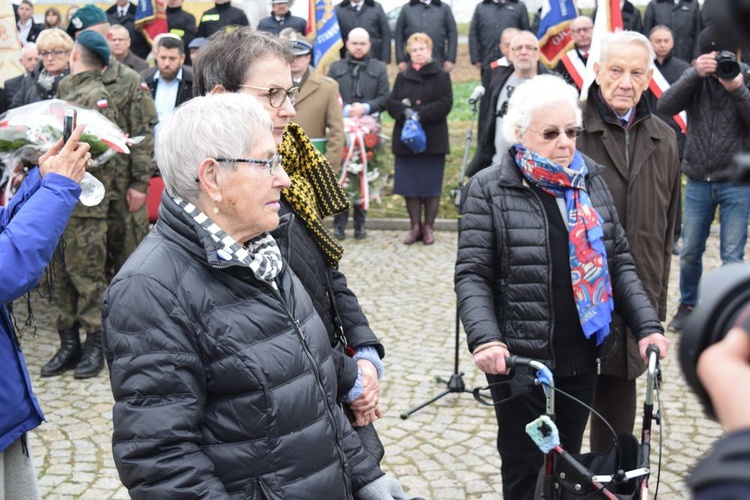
(724, 370)
(717, 101)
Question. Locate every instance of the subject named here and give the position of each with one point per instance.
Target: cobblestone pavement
(444, 451)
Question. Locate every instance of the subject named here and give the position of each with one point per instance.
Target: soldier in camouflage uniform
(79, 287)
(127, 217)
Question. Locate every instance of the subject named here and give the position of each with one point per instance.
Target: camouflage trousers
(78, 288)
(125, 231)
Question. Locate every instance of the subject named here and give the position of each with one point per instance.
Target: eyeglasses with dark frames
(272, 164)
(277, 95)
(554, 133)
(54, 53)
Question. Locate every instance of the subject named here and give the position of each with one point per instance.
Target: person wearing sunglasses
(40, 84)
(642, 171)
(542, 265)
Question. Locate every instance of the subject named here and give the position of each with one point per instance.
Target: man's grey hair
(538, 93)
(624, 38)
(116, 29)
(224, 125)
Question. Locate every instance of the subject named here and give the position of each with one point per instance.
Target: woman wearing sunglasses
(542, 263)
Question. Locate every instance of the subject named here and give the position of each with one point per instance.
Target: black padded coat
(503, 270)
(223, 386)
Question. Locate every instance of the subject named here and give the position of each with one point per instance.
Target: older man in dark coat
(433, 18)
(367, 14)
(643, 175)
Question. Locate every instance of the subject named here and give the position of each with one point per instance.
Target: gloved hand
(385, 487)
(407, 113)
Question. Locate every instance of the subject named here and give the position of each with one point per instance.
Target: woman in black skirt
(424, 89)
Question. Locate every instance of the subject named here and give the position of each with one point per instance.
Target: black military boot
(92, 360)
(67, 357)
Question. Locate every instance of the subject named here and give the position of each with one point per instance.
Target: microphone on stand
(477, 94)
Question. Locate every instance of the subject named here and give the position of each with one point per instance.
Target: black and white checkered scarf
(261, 254)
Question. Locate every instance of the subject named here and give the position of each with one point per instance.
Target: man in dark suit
(29, 58)
(123, 12)
(367, 14)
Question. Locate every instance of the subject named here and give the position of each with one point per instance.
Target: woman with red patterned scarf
(542, 263)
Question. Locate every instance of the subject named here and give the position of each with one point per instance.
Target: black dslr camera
(724, 293)
(727, 67)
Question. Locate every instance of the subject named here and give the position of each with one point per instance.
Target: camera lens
(724, 293)
(727, 66)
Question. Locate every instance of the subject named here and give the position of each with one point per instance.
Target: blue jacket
(30, 228)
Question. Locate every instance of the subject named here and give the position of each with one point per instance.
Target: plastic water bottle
(92, 190)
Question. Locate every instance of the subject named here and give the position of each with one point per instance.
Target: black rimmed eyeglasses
(272, 164)
(554, 133)
(277, 95)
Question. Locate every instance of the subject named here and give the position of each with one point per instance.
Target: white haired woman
(542, 263)
(222, 372)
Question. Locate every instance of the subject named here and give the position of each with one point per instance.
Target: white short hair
(223, 125)
(534, 95)
(623, 38)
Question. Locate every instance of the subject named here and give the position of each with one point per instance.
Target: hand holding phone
(69, 123)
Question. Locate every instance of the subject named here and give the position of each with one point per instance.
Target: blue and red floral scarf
(592, 289)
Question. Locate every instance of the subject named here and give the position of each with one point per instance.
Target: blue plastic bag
(413, 135)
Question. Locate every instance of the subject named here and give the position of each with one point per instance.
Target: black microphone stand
(456, 381)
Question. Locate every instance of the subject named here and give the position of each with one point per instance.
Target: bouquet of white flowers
(27, 132)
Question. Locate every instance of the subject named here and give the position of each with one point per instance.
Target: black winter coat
(138, 43)
(184, 89)
(503, 268)
(374, 79)
(430, 92)
(182, 24)
(718, 123)
(488, 23)
(328, 289)
(271, 25)
(435, 20)
(223, 386)
(372, 18)
(683, 18)
(31, 91)
(219, 18)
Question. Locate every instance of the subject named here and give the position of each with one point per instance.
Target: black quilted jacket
(503, 270)
(718, 123)
(323, 282)
(223, 387)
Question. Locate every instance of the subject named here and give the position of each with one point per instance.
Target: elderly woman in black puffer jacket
(542, 263)
(224, 378)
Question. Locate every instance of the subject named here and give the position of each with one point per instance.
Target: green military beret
(96, 43)
(88, 15)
